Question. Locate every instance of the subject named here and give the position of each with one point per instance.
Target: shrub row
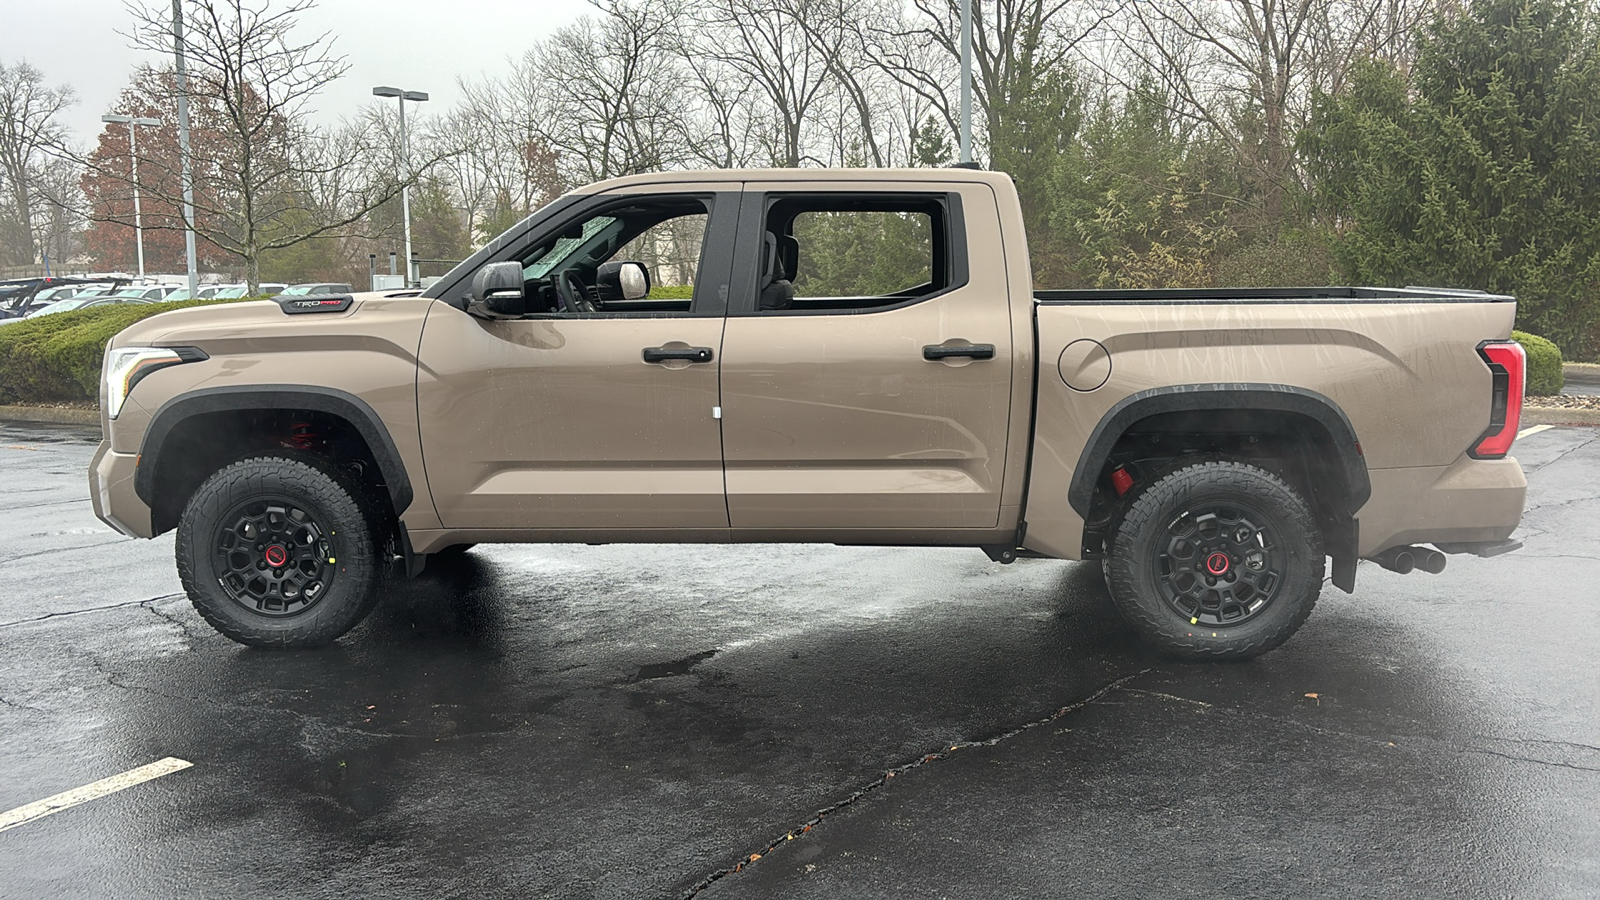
(56, 358)
(1544, 364)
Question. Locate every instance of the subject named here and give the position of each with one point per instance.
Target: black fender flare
(1220, 396)
(345, 405)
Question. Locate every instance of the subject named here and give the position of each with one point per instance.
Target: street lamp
(133, 123)
(405, 165)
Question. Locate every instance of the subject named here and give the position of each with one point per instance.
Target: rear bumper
(1472, 501)
(111, 491)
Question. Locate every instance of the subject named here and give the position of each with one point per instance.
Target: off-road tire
(353, 536)
(1143, 534)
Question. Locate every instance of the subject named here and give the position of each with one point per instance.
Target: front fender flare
(345, 405)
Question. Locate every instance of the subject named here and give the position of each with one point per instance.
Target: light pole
(183, 147)
(966, 81)
(405, 164)
(133, 123)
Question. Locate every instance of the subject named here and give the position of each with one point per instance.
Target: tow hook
(1406, 560)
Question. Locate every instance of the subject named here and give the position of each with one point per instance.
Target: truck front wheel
(1216, 560)
(274, 552)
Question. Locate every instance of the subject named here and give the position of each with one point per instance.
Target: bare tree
(250, 81)
(614, 103)
(31, 138)
(788, 65)
(1247, 69)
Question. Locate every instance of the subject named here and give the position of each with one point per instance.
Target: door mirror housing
(622, 281)
(497, 292)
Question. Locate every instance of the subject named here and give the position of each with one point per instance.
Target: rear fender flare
(1220, 396)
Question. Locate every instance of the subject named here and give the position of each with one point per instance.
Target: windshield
(60, 306)
(180, 294)
(130, 292)
(229, 293)
(299, 289)
(557, 253)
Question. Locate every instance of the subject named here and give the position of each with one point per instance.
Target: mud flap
(1342, 542)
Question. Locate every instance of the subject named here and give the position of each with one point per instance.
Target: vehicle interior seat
(777, 291)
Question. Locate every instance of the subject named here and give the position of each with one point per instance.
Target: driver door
(560, 422)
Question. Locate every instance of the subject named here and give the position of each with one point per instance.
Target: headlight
(125, 366)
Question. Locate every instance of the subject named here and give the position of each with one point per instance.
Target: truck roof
(942, 176)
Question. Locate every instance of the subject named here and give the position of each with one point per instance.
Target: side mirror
(622, 281)
(497, 291)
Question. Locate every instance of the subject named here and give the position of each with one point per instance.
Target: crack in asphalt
(15, 705)
(1385, 740)
(91, 609)
(59, 550)
(41, 505)
(816, 819)
(1532, 509)
(1529, 759)
(166, 617)
(1563, 455)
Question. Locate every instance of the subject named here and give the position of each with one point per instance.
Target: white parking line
(1534, 430)
(22, 815)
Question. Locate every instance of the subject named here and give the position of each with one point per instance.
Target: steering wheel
(574, 293)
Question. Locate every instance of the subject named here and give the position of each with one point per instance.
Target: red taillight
(1509, 366)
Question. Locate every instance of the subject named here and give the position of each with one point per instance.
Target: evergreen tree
(1477, 168)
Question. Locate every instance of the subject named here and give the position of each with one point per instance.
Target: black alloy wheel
(281, 552)
(1216, 559)
(274, 558)
(1221, 565)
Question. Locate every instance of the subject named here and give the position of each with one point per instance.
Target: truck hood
(262, 325)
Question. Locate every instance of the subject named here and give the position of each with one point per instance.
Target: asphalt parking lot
(646, 721)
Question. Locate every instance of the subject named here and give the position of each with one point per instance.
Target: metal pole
(405, 189)
(183, 147)
(966, 81)
(138, 222)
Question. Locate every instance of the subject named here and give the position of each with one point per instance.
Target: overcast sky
(419, 45)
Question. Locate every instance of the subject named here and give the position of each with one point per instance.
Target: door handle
(667, 354)
(936, 352)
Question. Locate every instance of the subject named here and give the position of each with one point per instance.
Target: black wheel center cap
(276, 556)
(1217, 563)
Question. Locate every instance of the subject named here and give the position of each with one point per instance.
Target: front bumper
(1472, 501)
(111, 491)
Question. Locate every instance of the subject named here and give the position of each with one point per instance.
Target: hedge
(56, 358)
(1544, 364)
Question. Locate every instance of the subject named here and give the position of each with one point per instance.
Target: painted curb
(1581, 373)
(50, 415)
(1555, 415)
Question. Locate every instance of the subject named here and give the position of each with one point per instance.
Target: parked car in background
(22, 296)
(116, 300)
(235, 291)
(59, 306)
(322, 287)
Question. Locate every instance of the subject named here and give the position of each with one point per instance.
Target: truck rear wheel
(1216, 560)
(274, 552)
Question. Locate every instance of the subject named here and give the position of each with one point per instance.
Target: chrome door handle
(936, 352)
(666, 354)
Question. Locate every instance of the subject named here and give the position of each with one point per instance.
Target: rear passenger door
(866, 368)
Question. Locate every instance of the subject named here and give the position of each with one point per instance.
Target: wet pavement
(639, 721)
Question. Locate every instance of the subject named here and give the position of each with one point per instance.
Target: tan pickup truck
(850, 357)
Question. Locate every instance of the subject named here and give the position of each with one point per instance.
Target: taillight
(1509, 366)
